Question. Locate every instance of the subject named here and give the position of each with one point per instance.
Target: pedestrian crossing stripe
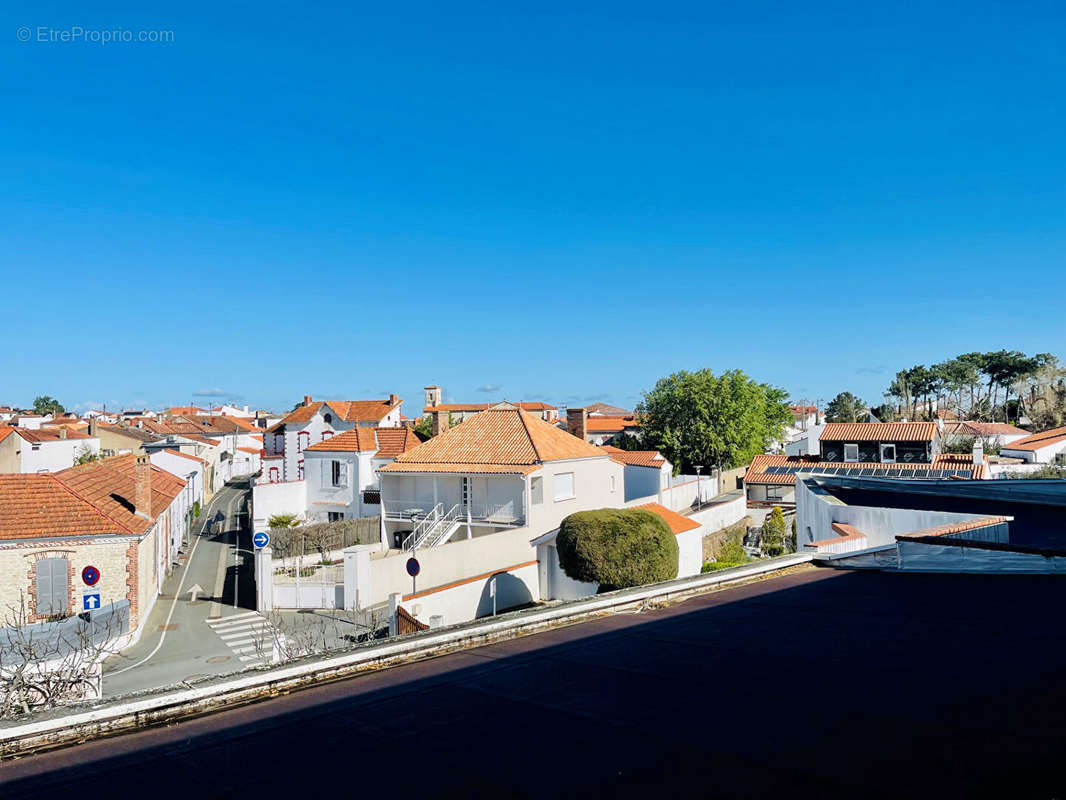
(245, 635)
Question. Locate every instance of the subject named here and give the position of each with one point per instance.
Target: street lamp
(699, 487)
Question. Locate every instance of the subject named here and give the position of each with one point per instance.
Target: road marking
(249, 636)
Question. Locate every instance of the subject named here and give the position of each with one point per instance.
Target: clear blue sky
(550, 202)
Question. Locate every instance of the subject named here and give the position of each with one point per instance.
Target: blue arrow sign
(261, 539)
(90, 602)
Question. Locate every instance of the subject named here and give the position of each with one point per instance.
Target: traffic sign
(90, 575)
(90, 602)
(261, 539)
(413, 567)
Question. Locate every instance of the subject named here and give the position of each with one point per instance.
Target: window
(300, 470)
(334, 516)
(273, 474)
(564, 486)
(326, 435)
(612, 483)
(851, 452)
(888, 453)
(52, 582)
(301, 441)
(339, 473)
(536, 490)
(327, 418)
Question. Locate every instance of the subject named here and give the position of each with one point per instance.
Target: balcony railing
(509, 513)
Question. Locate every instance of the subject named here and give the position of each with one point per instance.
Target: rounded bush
(617, 547)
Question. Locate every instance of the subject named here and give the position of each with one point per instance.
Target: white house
(340, 478)
(991, 434)
(311, 423)
(647, 473)
(43, 449)
(193, 470)
(1047, 447)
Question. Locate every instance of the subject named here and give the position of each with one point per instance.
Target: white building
(340, 478)
(193, 470)
(1047, 447)
(991, 434)
(311, 423)
(29, 450)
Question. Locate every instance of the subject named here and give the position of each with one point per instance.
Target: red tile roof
(87, 500)
(609, 424)
(394, 441)
(879, 432)
(348, 410)
(967, 428)
(357, 440)
(677, 522)
(844, 533)
(1038, 440)
(500, 440)
(174, 452)
(956, 527)
(636, 458)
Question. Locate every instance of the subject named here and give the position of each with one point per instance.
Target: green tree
(773, 533)
(617, 547)
(845, 407)
(85, 455)
(424, 428)
(47, 405)
(283, 521)
(698, 418)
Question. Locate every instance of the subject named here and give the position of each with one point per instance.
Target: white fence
(315, 586)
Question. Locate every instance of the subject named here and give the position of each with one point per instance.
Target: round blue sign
(90, 575)
(261, 539)
(413, 567)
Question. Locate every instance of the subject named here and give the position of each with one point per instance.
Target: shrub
(617, 548)
(730, 554)
(773, 533)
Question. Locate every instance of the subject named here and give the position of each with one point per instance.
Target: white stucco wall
(471, 599)
(269, 499)
(54, 456)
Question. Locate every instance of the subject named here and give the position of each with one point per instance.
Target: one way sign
(90, 602)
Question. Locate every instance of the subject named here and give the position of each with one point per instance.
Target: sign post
(413, 568)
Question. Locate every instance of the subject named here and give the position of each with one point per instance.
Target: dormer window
(327, 418)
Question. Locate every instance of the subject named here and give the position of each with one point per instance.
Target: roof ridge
(529, 435)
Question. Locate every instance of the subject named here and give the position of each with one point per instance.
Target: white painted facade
(191, 470)
(54, 455)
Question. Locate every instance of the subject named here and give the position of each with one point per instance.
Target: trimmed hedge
(617, 547)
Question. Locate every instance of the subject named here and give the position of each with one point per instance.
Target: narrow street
(182, 639)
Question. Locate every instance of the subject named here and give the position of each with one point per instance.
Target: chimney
(307, 399)
(62, 431)
(142, 487)
(92, 427)
(575, 422)
(393, 399)
(978, 450)
(441, 421)
(433, 394)
(940, 425)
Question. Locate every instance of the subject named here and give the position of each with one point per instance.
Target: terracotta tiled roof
(47, 435)
(184, 411)
(505, 440)
(844, 532)
(91, 499)
(636, 458)
(6, 431)
(484, 406)
(967, 428)
(348, 410)
(801, 411)
(677, 522)
(1038, 440)
(879, 432)
(956, 527)
(174, 452)
(357, 440)
(394, 441)
(254, 450)
(609, 424)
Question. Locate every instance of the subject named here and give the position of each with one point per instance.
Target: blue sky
(535, 203)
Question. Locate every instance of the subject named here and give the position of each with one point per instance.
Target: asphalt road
(815, 684)
(177, 644)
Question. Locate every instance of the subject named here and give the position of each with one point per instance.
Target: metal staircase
(437, 528)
